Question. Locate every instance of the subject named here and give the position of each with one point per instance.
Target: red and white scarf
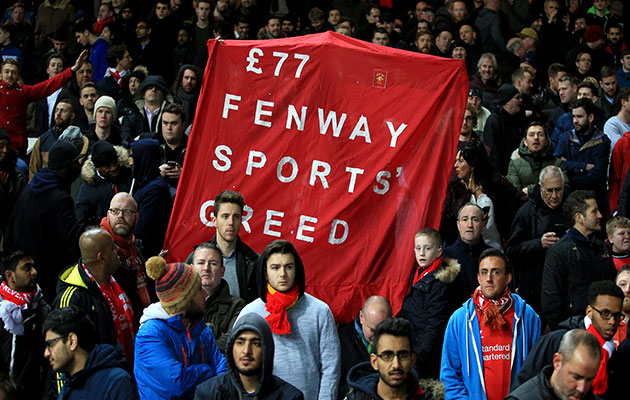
(492, 310)
(277, 305)
(122, 314)
(421, 273)
(600, 383)
(15, 297)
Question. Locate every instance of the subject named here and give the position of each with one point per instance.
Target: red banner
(340, 146)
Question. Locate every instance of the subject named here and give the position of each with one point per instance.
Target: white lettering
(229, 106)
(395, 132)
(203, 211)
(330, 118)
(269, 222)
(218, 151)
(261, 161)
(305, 228)
(361, 129)
(332, 238)
(384, 182)
(248, 213)
(253, 61)
(304, 59)
(321, 174)
(260, 112)
(293, 116)
(294, 169)
(283, 56)
(353, 177)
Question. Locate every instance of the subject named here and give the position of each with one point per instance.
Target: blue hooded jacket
(171, 359)
(462, 360)
(102, 377)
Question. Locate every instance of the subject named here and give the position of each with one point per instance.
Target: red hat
(594, 33)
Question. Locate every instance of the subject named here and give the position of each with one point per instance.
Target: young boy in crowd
(429, 304)
(618, 231)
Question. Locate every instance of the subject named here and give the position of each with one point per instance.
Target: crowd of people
(523, 290)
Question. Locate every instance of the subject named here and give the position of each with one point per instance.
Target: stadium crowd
(522, 293)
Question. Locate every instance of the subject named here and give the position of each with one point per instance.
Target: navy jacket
(102, 377)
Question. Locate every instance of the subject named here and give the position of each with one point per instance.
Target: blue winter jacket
(462, 363)
(102, 378)
(172, 359)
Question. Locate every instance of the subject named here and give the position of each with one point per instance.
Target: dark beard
(250, 372)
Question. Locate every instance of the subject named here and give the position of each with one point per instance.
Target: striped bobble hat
(175, 283)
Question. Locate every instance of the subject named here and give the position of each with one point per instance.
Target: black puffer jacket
(220, 313)
(571, 265)
(353, 351)
(428, 305)
(96, 192)
(525, 250)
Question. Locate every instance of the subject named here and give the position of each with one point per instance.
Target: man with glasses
(489, 337)
(389, 374)
(120, 222)
(603, 315)
(87, 369)
(537, 225)
(105, 173)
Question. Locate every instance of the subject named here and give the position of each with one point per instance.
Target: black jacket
(44, 224)
(228, 385)
(353, 351)
(428, 306)
(544, 349)
(502, 133)
(96, 192)
(525, 250)
(246, 264)
(539, 388)
(467, 255)
(75, 287)
(22, 355)
(571, 265)
(363, 381)
(221, 311)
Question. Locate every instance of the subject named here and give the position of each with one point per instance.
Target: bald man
(355, 338)
(120, 222)
(90, 286)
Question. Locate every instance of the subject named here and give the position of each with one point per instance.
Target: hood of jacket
(363, 378)
(147, 158)
(449, 270)
(88, 170)
(154, 311)
(543, 155)
(46, 180)
(256, 323)
(575, 322)
(102, 356)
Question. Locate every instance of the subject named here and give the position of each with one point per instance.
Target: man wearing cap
(105, 126)
(64, 114)
(529, 39)
(44, 221)
(250, 355)
(175, 350)
(150, 99)
(106, 171)
(502, 132)
(475, 96)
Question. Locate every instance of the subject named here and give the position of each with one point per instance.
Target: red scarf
(132, 261)
(421, 273)
(277, 305)
(492, 310)
(15, 297)
(600, 383)
(122, 313)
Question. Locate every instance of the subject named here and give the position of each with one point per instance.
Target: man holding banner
(304, 128)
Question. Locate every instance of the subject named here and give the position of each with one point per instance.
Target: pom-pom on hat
(175, 283)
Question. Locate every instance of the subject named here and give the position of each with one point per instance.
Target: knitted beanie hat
(175, 284)
(107, 102)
